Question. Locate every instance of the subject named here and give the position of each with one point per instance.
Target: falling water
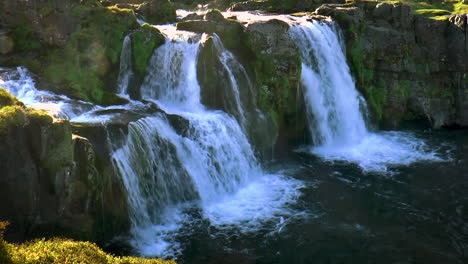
(189, 154)
(125, 73)
(232, 66)
(335, 108)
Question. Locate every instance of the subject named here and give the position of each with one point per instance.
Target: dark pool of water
(418, 214)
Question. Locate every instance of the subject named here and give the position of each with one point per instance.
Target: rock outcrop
(52, 181)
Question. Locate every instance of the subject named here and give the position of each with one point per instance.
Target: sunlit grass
(434, 9)
(60, 251)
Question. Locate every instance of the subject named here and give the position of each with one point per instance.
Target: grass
(60, 251)
(435, 9)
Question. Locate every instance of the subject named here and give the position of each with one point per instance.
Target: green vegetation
(24, 39)
(59, 251)
(435, 9)
(14, 113)
(7, 99)
(11, 116)
(275, 93)
(84, 65)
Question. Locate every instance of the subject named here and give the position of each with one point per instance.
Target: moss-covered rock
(144, 41)
(87, 66)
(214, 15)
(277, 68)
(158, 11)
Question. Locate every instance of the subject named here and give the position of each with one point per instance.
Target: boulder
(214, 15)
(158, 11)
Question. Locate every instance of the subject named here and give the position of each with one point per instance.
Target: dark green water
(417, 214)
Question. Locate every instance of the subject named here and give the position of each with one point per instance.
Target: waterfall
(172, 77)
(331, 97)
(336, 110)
(125, 72)
(188, 154)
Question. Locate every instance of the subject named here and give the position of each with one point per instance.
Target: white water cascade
(125, 72)
(335, 108)
(190, 157)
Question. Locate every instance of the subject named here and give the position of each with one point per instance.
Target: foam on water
(379, 152)
(265, 200)
(263, 204)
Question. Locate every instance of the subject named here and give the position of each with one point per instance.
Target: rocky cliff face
(409, 67)
(51, 181)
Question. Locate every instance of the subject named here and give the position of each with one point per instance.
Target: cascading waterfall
(191, 155)
(331, 97)
(125, 73)
(335, 108)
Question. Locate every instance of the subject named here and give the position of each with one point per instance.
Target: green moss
(6, 99)
(377, 96)
(24, 39)
(39, 116)
(167, 13)
(436, 9)
(84, 65)
(144, 41)
(277, 89)
(403, 88)
(60, 154)
(59, 251)
(461, 8)
(12, 116)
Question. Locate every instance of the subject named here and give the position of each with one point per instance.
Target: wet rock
(214, 15)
